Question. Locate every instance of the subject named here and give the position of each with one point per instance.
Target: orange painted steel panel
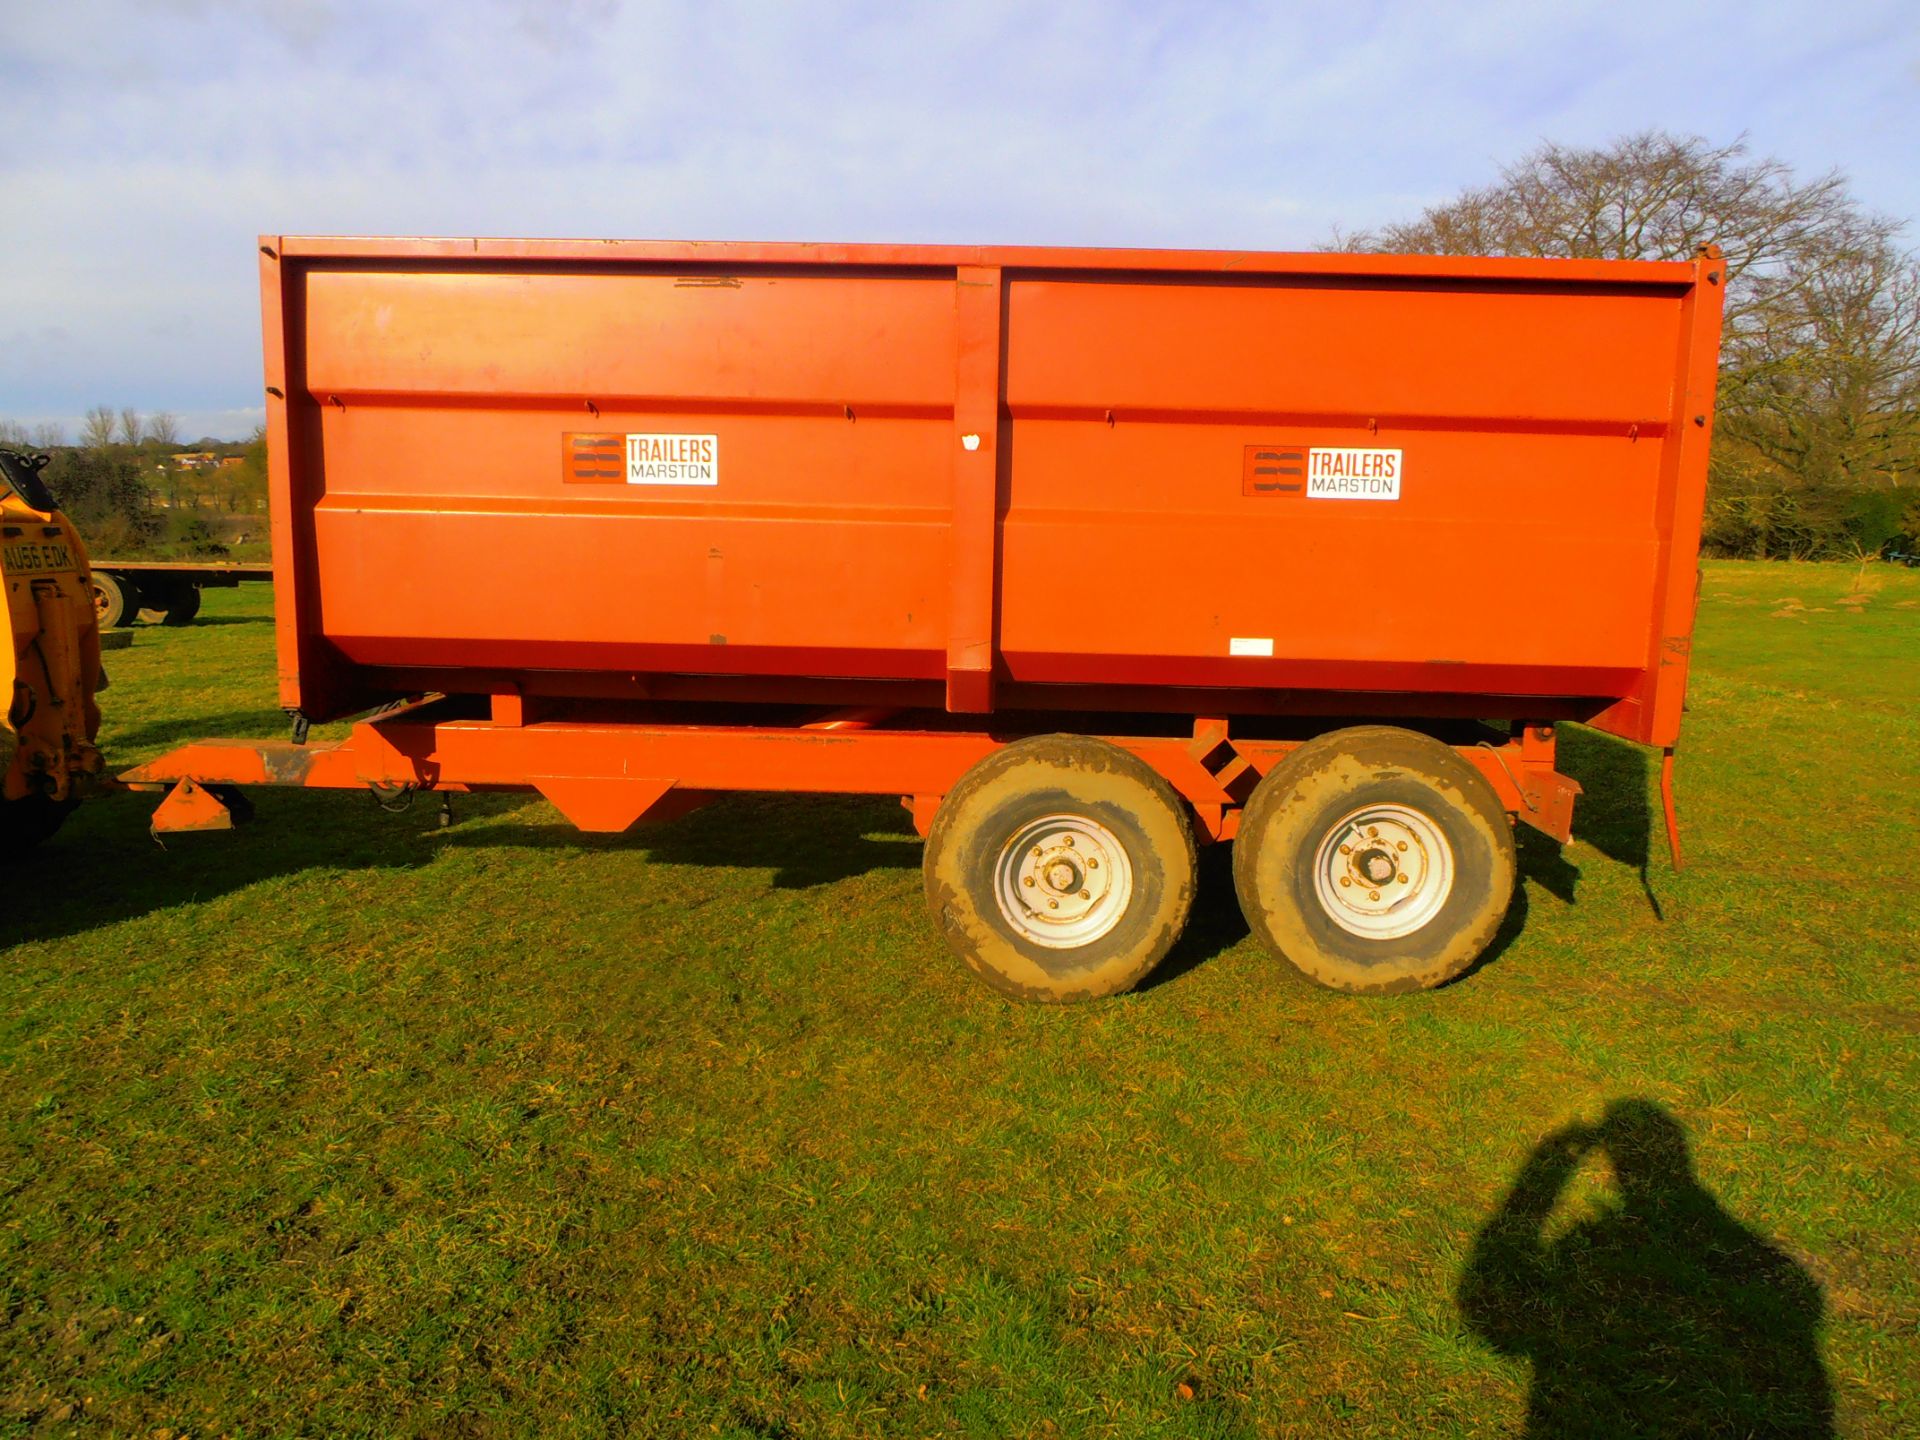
(986, 468)
(676, 341)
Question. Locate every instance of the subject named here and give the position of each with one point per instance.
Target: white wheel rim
(1383, 871)
(1062, 881)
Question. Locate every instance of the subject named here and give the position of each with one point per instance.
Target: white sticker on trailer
(673, 459)
(1250, 645)
(1344, 473)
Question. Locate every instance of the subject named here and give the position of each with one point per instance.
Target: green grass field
(346, 1124)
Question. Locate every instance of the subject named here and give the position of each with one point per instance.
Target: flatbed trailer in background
(1089, 556)
(123, 588)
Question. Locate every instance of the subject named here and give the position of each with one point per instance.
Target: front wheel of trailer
(1061, 868)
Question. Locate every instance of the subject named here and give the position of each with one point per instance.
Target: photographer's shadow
(1664, 1316)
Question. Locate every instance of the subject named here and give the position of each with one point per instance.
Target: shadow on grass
(1214, 926)
(1614, 813)
(104, 868)
(143, 623)
(805, 840)
(1662, 1314)
(1511, 925)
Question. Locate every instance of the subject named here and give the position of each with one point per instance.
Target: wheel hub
(1383, 871)
(1376, 866)
(1063, 881)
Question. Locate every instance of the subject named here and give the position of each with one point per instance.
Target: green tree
(101, 491)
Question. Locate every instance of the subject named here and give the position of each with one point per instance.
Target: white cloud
(146, 145)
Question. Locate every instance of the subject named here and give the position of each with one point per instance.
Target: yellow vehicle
(51, 671)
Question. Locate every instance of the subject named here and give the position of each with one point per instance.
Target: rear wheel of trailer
(1375, 860)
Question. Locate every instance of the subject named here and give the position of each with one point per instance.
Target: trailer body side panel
(1420, 482)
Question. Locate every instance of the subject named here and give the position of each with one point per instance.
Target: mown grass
(348, 1124)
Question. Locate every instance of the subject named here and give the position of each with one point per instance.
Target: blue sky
(143, 146)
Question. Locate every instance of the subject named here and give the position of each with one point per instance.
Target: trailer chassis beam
(607, 776)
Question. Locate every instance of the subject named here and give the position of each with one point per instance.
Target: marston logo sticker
(639, 459)
(1285, 470)
(1348, 474)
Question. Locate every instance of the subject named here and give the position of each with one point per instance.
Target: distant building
(195, 460)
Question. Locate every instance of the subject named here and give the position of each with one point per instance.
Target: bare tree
(163, 426)
(49, 435)
(1651, 196)
(97, 430)
(14, 435)
(1823, 378)
(1822, 327)
(130, 430)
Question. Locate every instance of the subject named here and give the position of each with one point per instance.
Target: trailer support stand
(1667, 808)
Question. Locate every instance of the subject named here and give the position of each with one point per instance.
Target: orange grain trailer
(1090, 556)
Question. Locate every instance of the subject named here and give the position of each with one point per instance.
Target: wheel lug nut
(1092, 864)
(1069, 842)
(1053, 904)
(1028, 882)
(1086, 895)
(1346, 879)
(1038, 852)
(1403, 880)
(1401, 845)
(1373, 894)
(1373, 832)
(1346, 849)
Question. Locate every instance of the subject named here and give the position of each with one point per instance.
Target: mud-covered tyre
(26, 822)
(1061, 868)
(1375, 860)
(181, 603)
(116, 599)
